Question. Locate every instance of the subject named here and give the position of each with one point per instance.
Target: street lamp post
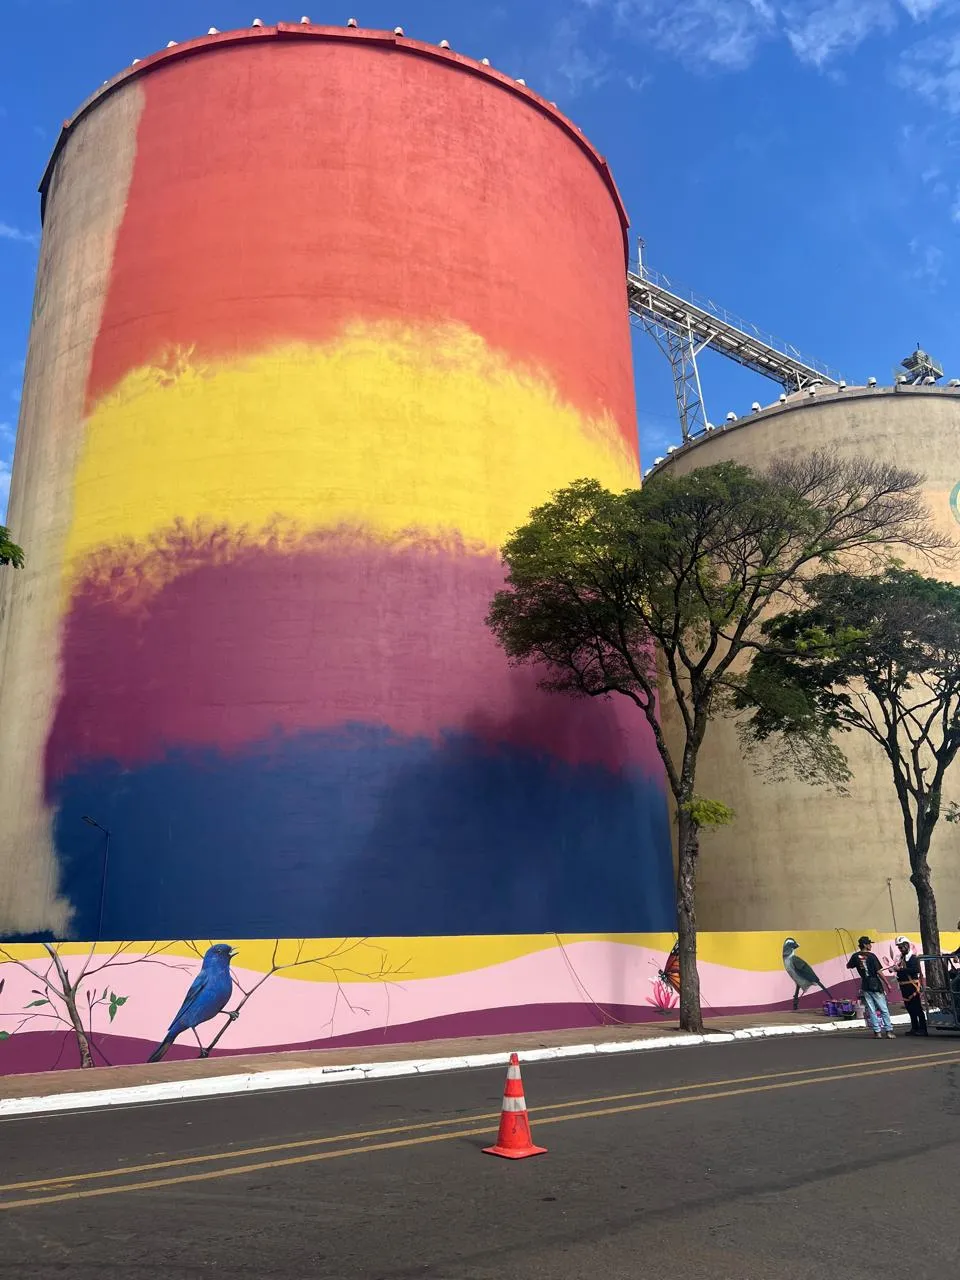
(893, 910)
(92, 822)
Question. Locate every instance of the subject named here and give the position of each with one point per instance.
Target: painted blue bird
(801, 973)
(208, 994)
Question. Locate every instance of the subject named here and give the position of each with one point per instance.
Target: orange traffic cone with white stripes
(514, 1141)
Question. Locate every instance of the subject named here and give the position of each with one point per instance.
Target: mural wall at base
(138, 1002)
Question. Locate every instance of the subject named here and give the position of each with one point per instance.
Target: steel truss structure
(683, 325)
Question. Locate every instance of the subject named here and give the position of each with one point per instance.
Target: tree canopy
(10, 553)
(664, 587)
(879, 654)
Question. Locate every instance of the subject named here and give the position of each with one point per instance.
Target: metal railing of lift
(707, 305)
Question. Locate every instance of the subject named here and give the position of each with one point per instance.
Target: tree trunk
(927, 907)
(688, 842)
(83, 1044)
(69, 995)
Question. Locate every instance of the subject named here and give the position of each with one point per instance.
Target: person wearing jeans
(873, 988)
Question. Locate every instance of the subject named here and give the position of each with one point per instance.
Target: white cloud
(577, 67)
(927, 264)
(921, 9)
(727, 35)
(569, 67)
(638, 83)
(821, 32)
(8, 232)
(932, 69)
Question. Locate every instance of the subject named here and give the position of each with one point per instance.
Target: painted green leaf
(35, 1004)
(4, 1035)
(116, 1002)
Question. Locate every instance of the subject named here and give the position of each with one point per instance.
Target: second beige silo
(799, 857)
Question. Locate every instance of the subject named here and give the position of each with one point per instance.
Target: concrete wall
(324, 314)
(88, 186)
(798, 857)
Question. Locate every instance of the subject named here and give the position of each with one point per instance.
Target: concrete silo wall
(321, 316)
(88, 194)
(798, 857)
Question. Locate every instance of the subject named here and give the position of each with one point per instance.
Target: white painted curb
(302, 1077)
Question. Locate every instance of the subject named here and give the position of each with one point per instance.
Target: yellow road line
(427, 1139)
(179, 1162)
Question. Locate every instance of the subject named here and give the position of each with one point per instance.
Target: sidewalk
(164, 1081)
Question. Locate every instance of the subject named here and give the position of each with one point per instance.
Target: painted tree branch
(63, 993)
(344, 947)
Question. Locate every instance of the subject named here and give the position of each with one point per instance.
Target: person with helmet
(873, 988)
(910, 980)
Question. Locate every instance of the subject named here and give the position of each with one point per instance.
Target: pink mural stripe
(541, 991)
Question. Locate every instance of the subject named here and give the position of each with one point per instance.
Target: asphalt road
(809, 1158)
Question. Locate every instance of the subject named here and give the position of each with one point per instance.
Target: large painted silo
(799, 857)
(321, 314)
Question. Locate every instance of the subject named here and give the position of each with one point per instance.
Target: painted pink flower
(664, 997)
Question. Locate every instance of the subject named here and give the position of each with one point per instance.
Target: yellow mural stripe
(440, 957)
(406, 958)
(446, 956)
(390, 427)
(316, 1157)
(66, 1180)
(763, 950)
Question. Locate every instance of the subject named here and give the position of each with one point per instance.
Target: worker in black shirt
(910, 979)
(873, 985)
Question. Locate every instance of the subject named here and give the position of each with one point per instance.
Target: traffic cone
(514, 1141)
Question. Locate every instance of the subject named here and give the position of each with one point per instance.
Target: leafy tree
(879, 654)
(10, 553)
(613, 593)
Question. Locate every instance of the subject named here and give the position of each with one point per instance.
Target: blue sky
(796, 160)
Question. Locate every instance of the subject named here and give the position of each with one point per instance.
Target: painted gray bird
(799, 971)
